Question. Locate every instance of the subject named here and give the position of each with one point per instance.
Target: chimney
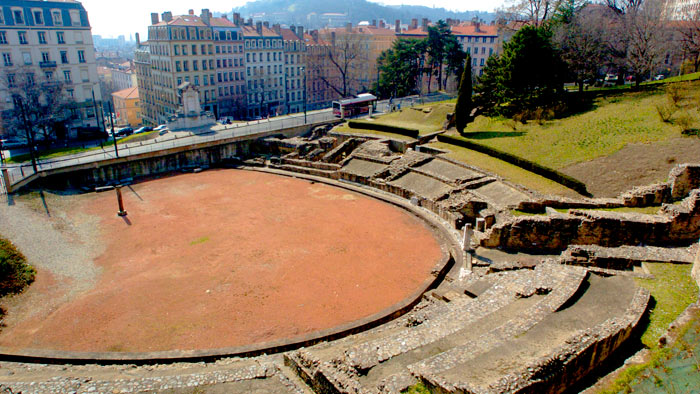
(258, 27)
(382, 25)
(250, 22)
(206, 16)
(237, 18)
(276, 27)
(167, 16)
(300, 32)
(374, 22)
(348, 27)
(397, 26)
(154, 18)
(191, 12)
(333, 38)
(266, 24)
(314, 34)
(424, 24)
(224, 16)
(414, 24)
(138, 40)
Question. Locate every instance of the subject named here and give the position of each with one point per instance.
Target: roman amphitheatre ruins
(318, 261)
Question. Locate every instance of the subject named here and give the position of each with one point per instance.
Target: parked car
(143, 129)
(123, 132)
(161, 127)
(12, 144)
(659, 77)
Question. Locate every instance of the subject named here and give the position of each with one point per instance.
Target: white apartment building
(49, 40)
(264, 62)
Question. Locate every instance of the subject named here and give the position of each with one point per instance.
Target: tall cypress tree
(464, 106)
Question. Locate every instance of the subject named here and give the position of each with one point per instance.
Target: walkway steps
(525, 350)
(380, 363)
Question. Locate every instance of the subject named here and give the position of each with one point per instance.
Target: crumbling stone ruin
(509, 322)
(534, 325)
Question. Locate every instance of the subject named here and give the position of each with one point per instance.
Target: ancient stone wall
(676, 225)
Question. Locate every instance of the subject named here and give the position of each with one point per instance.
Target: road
(18, 172)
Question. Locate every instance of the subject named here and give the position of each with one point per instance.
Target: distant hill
(301, 12)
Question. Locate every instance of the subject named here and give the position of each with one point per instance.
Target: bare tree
(40, 106)
(582, 42)
(346, 59)
(648, 38)
(622, 7)
(535, 11)
(687, 32)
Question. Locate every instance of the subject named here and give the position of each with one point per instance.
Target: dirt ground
(635, 165)
(222, 258)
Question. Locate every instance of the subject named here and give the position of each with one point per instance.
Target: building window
(22, 37)
(39, 17)
(184, 50)
(56, 17)
(66, 76)
(194, 49)
(81, 56)
(177, 50)
(60, 37)
(48, 75)
(11, 80)
(19, 18)
(27, 58)
(64, 57)
(196, 80)
(3, 37)
(7, 59)
(46, 58)
(482, 62)
(42, 37)
(195, 65)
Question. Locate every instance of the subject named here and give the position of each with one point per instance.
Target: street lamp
(303, 70)
(111, 121)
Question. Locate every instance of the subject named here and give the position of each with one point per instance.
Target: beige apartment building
(181, 51)
(294, 68)
(264, 65)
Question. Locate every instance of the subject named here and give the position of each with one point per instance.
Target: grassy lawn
(673, 290)
(616, 120)
(344, 128)
(52, 153)
(506, 170)
(412, 118)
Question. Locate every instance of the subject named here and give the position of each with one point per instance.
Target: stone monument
(190, 115)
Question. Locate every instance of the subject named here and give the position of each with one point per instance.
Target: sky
(125, 17)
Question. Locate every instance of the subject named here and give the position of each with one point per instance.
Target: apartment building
(264, 65)
(181, 53)
(126, 107)
(47, 41)
(319, 69)
(230, 66)
(124, 76)
(142, 67)
(294, 68)
(478, 39)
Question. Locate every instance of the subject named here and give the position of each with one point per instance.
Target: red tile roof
(289, 35)
(183, 20)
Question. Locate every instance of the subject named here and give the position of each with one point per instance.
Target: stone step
(379, 362)
(517, 347)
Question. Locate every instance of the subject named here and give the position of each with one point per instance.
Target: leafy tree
(464, 105)
(454, 59)
(400, 68)
(529, 74)
(438, 35)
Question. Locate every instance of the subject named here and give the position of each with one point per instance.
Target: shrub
(666, 111)
(15, 273)
(685, 122)
(355, 124)
(538, 169)
(676, 93)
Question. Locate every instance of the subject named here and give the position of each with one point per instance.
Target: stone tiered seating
(382, 360)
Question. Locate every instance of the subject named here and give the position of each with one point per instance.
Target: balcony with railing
(47, 64)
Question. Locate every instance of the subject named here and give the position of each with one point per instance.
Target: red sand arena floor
(228, 258)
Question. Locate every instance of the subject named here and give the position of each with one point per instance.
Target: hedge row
(538, 169)
(355, 124)
(15, 273)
